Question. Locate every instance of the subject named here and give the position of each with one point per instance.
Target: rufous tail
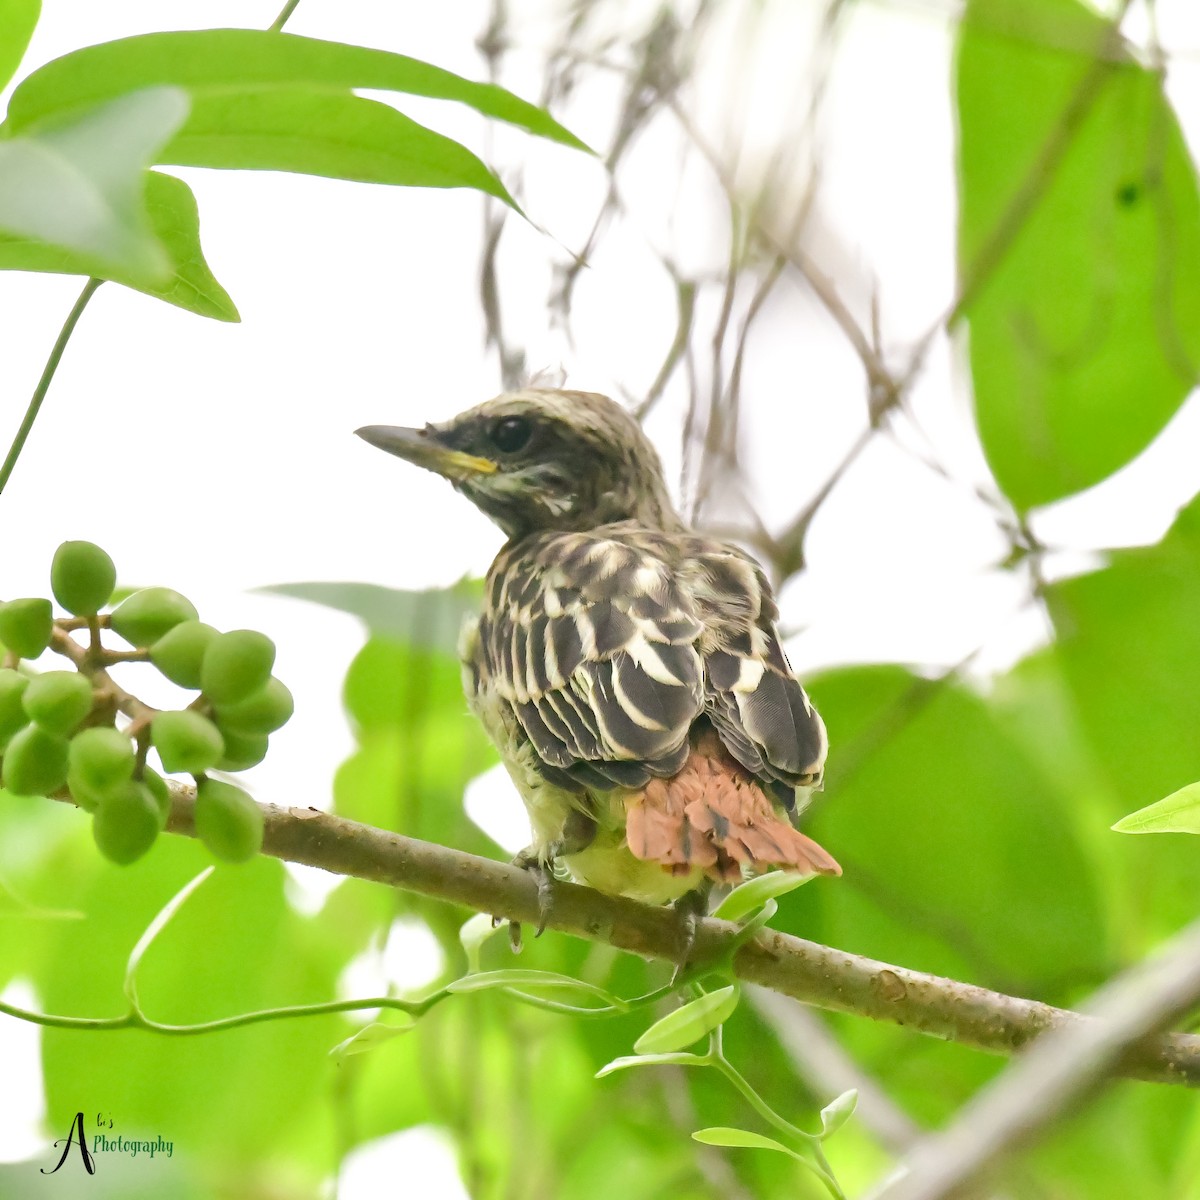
(714, 815)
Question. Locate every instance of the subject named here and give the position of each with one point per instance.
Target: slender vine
(43, 384)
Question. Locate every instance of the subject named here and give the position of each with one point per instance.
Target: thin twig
(43, 384)
(685, 298)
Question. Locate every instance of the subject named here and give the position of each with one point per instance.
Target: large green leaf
(958, 851)
(79, 185)
(1085, 326)
(239, 61)
(235, 946)
(271, 101)
(1128, 644)
(118, 1176)
(429, 619)
(18, 19)
(323, 132)
(47, 858)
(419, 746)
(174, 221)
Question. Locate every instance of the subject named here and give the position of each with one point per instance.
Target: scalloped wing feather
(609, 646)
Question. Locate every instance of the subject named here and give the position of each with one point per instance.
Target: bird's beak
(422, 447)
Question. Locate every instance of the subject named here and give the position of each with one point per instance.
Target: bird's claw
(689, 908)
(543, 875)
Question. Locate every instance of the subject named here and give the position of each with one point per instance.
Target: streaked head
(542, 459)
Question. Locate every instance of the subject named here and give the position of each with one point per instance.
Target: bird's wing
(595, 646)
(608, 648)
(752, 698)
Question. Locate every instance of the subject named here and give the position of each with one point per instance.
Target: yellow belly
(609, 866)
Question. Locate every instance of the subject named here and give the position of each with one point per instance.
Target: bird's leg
(689, 908)
(577, 833)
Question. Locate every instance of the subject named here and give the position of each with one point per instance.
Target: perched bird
(627, 668)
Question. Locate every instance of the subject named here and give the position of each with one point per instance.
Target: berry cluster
(79, 730)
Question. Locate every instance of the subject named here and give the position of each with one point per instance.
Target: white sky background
(218, 458)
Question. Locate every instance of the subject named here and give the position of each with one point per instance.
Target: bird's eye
(510, 434)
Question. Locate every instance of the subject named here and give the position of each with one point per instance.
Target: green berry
(83, 793)
(161, 793)
(82, 578)
(228, 822)
(101, 758)
(12, 712)
(178, 654)
(126, 823)
(35, 762)
(58, 700)
(144, 617)
(242, 750)
(264, 712)
(26, 626)
(186, 741)
(236, 665)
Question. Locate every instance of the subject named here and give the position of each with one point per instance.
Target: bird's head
(542, 459)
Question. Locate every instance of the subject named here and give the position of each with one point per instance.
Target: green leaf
(1085, 327)
(80, 185)
(430, 619)
(837, 1112)
(156, 926)
(754, 893)
(689, 1023)
(242, 61)
(419, 746)
(197, 971)
(725, 1135)
(319, 132)
(18, 19)
(371, 1037)
(997, 889)
(682, 1059)
(174, 221)
(537, 980)
(1127, 639)
(1177, 813)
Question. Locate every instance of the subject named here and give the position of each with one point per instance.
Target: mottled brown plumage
(628, 669)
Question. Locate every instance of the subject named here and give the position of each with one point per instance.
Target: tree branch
(809, 972)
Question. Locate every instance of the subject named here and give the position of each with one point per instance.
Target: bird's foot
(540, 861)
(542, 869)
(689, 908)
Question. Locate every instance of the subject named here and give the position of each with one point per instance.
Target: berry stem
(107, 658)
(141, 736)
(70, 624)
(61, 642)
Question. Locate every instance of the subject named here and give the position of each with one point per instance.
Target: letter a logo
(88, 1161)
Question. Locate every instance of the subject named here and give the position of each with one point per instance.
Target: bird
(628, 668)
